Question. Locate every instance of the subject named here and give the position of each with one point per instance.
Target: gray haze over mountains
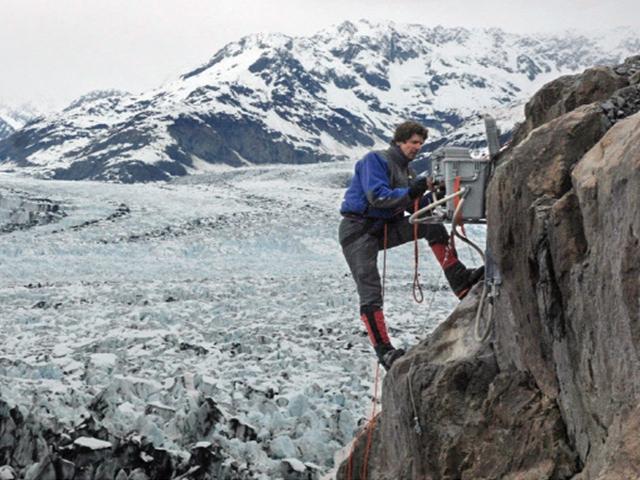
(71, 47)
(271, 98)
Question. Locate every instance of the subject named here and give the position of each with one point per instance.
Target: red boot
(373, 319)
(460, 278)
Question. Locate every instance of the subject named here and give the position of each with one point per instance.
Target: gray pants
(361, 240)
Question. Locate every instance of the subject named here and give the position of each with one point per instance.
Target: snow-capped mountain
(278, 99)
(12, 119)
(5, 129)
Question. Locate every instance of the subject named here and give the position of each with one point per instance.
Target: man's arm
(374, 176)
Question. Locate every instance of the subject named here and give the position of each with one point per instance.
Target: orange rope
(350, 464)
(371, 423)
(456, 202)
(456, 188)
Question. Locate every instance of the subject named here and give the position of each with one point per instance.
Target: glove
(417, 187)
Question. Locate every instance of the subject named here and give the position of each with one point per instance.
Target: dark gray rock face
(604, 319)
(521, 198)
(475, 421)
(564, 225)
(595, 84)
(560, 374)
(566, 94)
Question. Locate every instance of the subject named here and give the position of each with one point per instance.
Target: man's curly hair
(405, 131)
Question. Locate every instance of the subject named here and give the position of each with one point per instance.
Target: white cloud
(56, 51)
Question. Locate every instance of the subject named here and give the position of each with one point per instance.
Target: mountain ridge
(272, 98)
(13, 118)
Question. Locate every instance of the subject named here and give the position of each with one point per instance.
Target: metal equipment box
(451, 162)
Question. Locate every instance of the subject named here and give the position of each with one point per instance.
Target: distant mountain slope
(5, 129)
(12, 119)
(278, 99)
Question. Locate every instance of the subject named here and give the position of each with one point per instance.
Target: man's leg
(361, 254)
(460, 278)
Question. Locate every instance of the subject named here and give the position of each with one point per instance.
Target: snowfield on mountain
(271, 98)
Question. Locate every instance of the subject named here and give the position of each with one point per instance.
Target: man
(382, 189)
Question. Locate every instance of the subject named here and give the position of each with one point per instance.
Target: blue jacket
(380, 185)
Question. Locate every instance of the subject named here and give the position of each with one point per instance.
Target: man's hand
(430, 184)
(417, 187)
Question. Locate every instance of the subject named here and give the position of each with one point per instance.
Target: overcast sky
(52, 51)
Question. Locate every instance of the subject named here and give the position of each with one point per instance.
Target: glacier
(228, 286)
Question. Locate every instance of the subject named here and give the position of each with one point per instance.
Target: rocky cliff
(553, 393)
